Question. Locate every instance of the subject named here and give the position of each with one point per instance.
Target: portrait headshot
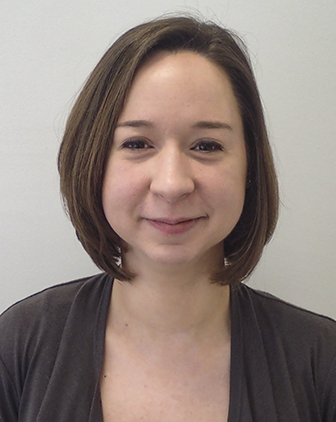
(167, 216)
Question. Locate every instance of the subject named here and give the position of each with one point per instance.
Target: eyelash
(207, 146)
(214, 146)
(134, 144)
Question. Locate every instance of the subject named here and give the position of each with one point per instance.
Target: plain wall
(48, 49)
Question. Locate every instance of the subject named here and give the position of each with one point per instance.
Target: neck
(159, 308)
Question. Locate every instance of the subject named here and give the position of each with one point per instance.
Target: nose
(172, 175)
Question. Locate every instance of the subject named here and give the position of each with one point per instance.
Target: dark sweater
(283, 359)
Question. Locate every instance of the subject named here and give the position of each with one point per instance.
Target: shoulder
(286, 352)
(285, 319)
(299, 346)
(50, 333)
(301, 335)
(57, 298)
(288, 316)
(45, 313)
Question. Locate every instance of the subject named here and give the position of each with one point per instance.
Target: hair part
(89, 131)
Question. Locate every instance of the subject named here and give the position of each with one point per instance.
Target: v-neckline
(236, 368)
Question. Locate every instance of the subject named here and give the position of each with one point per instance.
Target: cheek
(232, 201)
(229, 196)
(121, 189)
(114, 196)
(114, 201)
(111, 192)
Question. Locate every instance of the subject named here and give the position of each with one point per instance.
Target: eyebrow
(212, 125)
(136, 123)
(203, 124)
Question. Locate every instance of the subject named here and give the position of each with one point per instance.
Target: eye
(136, 144)
(208, 145)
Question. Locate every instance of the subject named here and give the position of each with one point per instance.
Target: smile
(168, 226)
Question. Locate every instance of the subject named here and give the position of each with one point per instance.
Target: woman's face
(174, 186)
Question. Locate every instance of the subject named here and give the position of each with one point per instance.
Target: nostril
(172, 186)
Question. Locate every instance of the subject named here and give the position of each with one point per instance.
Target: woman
(168, 178)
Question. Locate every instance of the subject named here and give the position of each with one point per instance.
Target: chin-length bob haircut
(90, 127)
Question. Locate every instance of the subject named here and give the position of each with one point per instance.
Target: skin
(167, 166)
(174, 188)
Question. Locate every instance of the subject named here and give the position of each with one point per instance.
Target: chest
(133, 390)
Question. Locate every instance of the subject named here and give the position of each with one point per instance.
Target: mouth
(173, 226)
(172, 222)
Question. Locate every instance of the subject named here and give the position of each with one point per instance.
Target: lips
(172, 221)
(173, 226)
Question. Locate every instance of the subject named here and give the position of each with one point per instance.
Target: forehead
(187, 65)
(184, 77)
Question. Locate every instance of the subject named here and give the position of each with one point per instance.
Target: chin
(176, 257)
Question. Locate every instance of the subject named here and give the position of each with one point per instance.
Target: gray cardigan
(283, 359)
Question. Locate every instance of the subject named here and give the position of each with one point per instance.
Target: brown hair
(89, 133)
